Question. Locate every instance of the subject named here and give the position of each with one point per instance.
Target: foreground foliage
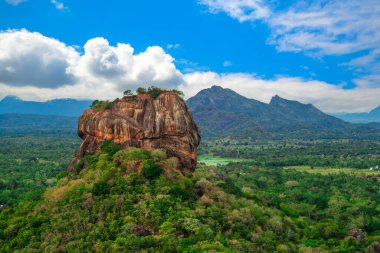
(136, 201)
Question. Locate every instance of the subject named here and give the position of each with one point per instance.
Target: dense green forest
(135, 201)
(358, 154)
(29, 164)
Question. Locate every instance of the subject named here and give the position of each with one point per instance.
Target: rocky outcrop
(142, 121)
(357, 234)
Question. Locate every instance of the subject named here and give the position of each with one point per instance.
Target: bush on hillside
(151, 170)
(109, 147)
(100, 188)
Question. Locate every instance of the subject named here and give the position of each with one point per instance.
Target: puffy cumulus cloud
(102, 63)
(35, 67)
(325, 96)
(28, 58)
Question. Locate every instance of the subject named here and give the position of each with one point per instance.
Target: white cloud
(36, 67)
(369, 63)
(190, 66)
(242, 10)
(320, 28)
(32, 59)
(58, 5)
(328, 27)
(15, 2)
(227, 63)
(173, 46)
(316, 28)
(369, 81)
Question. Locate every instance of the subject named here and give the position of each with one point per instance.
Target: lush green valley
(135, 201)
(291, 195)
(340, 153)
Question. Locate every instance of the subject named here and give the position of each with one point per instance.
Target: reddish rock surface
(144, 122)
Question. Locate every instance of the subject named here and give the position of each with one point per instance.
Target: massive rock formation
(142, 121)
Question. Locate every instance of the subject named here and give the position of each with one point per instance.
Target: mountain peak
(224, 112)
(10, 99)
(277, 100)
(216, 90)
(217, 87)
(376, 110)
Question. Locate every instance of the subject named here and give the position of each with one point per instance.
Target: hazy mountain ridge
(372, 116)
(222, 112)
(31, 124)
(62, 107)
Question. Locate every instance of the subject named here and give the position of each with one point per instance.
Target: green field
(211, 160)
(332, 170)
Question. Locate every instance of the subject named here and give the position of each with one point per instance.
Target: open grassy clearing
(332, 170)
(211, 160)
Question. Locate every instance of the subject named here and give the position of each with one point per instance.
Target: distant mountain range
(372, 116)
(61, 107)
(219, 112)
(222, 112)
(31, 124)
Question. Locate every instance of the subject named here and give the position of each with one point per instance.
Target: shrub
(100, 188)
(140, 90)
(60, 175)
(178, 92)
(167, 228)
(127, 93)
(131, 154)
(158, 154)
(109, 147)
(151, 170)
(94, 103)
(154, 91)
(178, 192)
(100, 105)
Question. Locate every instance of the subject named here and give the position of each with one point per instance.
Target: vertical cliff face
(142, 121)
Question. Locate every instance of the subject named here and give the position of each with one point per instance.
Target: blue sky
(321, 52)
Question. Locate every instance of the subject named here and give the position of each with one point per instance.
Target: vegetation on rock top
(153, 91)
(101, 105)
